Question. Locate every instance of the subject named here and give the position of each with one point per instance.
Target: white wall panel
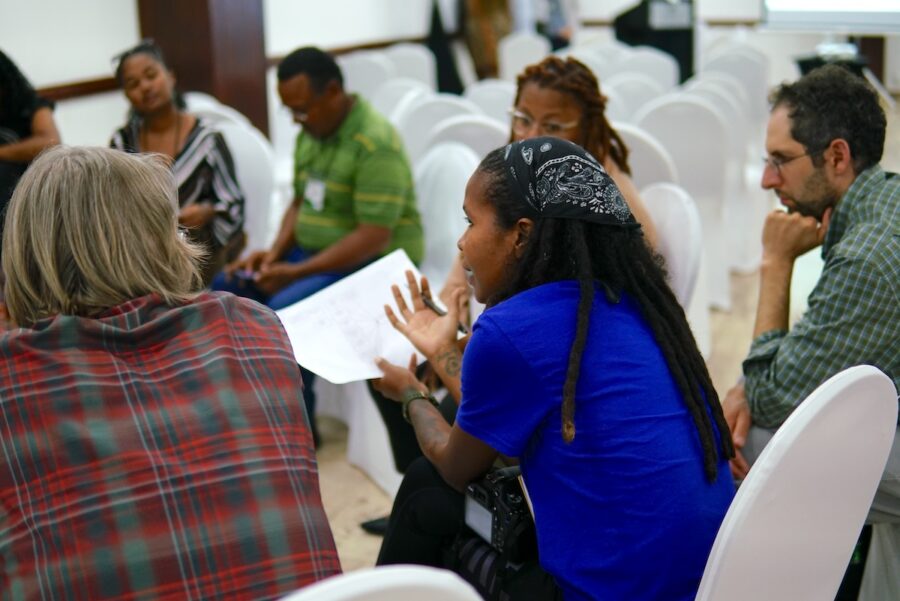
(290, 24)
(58, 41)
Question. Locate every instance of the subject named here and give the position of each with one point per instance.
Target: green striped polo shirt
(366, 178)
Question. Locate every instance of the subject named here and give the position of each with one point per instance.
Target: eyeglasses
(777, 163)
(522, 124)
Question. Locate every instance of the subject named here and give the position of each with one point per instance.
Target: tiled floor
(350, 497)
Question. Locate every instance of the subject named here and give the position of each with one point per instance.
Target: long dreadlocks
(620, 260)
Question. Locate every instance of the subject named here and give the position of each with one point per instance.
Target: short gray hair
(90, 228)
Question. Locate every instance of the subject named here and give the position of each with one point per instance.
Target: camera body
(496, 510)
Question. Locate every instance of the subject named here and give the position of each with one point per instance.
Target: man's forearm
(774, 296)
(363, 243)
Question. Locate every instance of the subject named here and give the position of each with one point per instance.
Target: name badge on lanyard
(315, 193)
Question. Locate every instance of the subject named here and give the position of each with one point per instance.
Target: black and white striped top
(204, 173)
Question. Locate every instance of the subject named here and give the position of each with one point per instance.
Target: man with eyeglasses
(353, 194)
(824, 141)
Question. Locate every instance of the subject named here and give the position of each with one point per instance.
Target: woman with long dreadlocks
(559, 98)
(584, 368)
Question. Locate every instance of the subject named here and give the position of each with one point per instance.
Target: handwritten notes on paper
(338, 332)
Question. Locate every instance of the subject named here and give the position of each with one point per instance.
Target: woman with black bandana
(584, 368)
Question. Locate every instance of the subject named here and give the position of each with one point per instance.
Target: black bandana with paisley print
(559, 179)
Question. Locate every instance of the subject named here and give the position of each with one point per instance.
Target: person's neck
(345, 105)
(162, 120)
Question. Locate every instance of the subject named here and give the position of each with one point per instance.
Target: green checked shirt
(854, 311)
(359, 175)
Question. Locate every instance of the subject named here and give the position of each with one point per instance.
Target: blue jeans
(290, 294)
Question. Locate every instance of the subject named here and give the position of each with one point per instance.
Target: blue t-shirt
(624, 511)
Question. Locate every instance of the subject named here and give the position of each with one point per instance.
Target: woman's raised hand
(426, 329)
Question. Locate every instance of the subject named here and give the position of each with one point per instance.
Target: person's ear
(332, 88)
(838, 157)
(523, 228)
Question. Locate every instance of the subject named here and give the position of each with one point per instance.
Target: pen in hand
(433, 306)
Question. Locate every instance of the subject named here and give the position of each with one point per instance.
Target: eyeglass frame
(777, 164)
(515, 114)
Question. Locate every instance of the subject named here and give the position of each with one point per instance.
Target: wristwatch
(411, 396)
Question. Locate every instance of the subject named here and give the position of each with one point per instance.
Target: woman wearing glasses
(210, 199)
(561, 98)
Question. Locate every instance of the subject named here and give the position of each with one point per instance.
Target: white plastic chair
(365, 71)
(650, 162)
(414, 61)
(696, 136)
(745, 206)
(389, 583)
(601, 66)
(493, 96)
(679, 235)
(195, 100)
(406, 104)
(389, 95)
(654, 63)
(212, 111)
(441, 179)
(753, 73)
(479, 132)
(417, 122)
(518, 50)
(633, 89)
(791, 528)
(616, 106)
(254, 163)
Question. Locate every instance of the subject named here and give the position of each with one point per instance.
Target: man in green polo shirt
(353, 193)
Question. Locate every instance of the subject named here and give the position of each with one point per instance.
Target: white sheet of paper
(338, 332)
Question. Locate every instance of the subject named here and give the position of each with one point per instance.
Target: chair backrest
(679, 235)
(752, 72)
(480, 133)
(390, 93)
(493, 96)
(389, 583)
(195, 100)
(417, 122)
(616, 106)
(696, 137)
(213, 111)
(649, 161)
(724, 80)
(365, 71)
(792, 526)
(441, 178)
(726, 104)
(254, 162)
(414, 61)
(654, 63)
(601, 66)
(633, 89)
(518, 50)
